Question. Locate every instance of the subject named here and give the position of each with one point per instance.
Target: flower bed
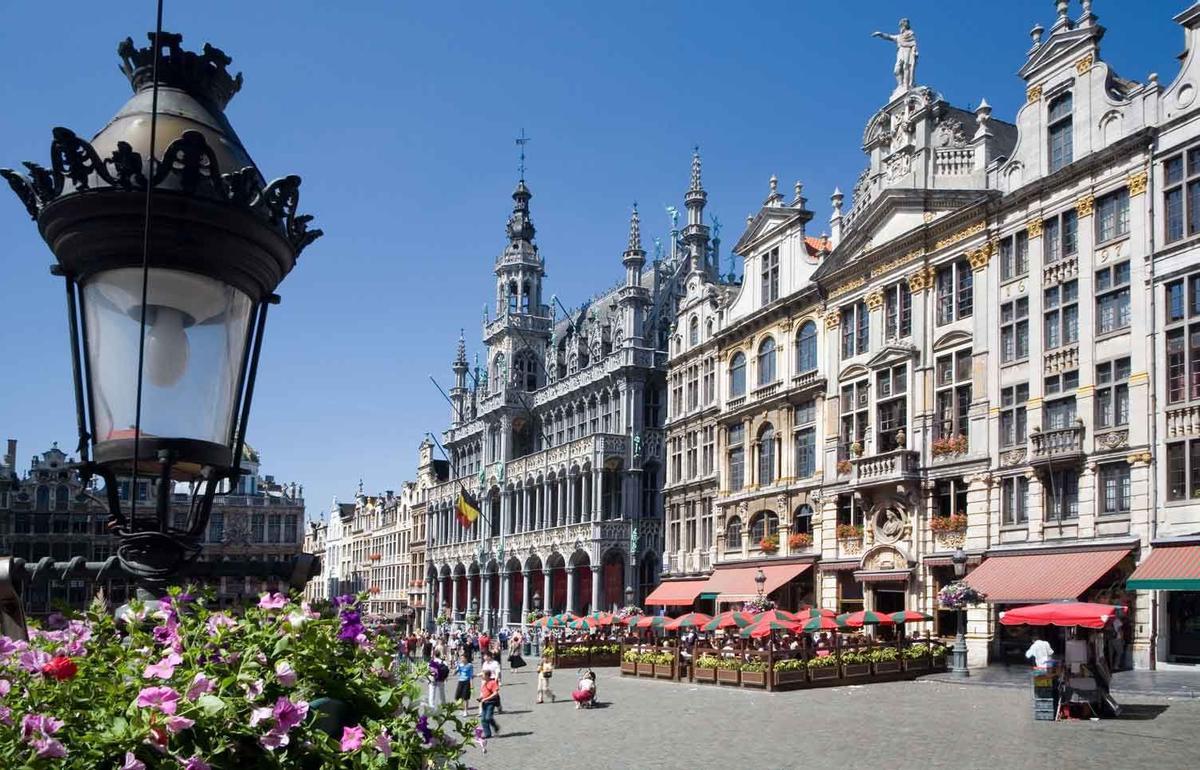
(826, 667)
(791, 671)
(182, 686)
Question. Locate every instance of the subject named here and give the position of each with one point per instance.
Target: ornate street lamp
(958, 657)
(760, 582)
(171, 245)
(628, 596)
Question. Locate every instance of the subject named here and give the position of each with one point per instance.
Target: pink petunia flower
(259, 714)
(201, 685)
(352, 738)
(272, 601)
(194, 762)
(5, 687)
(163, 699)
(33, 660)
(254, 689)
(39, 725)
(383, 743)
(6, 716)
(132, 762)
(49, 748)
(177, 724)
(165, 668)
(217, 621)
(285, 673)
(289, 714)
(274, 739)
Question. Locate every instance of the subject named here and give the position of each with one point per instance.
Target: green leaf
(283, 645)
(210, 704)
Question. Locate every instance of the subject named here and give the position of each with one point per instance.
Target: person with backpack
(439, 672)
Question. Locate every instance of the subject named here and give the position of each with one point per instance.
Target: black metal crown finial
(203, 75)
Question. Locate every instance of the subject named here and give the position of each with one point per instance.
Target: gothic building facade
(993, 356)
(560, 434)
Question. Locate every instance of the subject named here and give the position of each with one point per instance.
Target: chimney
(10, 457)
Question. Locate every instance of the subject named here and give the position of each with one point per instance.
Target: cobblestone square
(652, 725)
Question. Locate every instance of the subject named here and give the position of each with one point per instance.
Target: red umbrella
(808, 613)
(762, 628)
(601, 618)
(775, 615)
(865, 617)
(910, 616)
(651, 621)
(729, 619)
(821, 623)
(1083, 614)
(690, 620)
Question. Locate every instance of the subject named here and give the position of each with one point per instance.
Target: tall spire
(695, 235)
(460, 358)
(635, 232)
(695, 170)
(634, 257)
(520, 223)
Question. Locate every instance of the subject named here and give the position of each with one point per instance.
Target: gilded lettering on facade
(978, 227)
(1085, 205)
(1137, 183)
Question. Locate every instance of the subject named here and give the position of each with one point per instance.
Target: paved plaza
(646, 725)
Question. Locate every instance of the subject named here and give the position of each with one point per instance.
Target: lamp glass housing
(196, 331)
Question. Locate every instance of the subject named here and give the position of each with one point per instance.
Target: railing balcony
(807, 379)
(1056, 446)
(707, 557)
(1183, 421)
(1061, 360)
(886, 466)
(954, 162)
(735, 402)
(768, 390)
(1059, 271)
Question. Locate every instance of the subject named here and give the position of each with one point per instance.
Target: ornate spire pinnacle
(635, 233)
(460, 358)
(520, 223)
(695, 170)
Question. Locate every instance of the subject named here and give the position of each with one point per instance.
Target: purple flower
(194, 762)
(162, 698)
(383, 743)
(6, 716)
(165, 668)
(49, 748)
(352, 738)
(217, 621)
(344, 599)
(274, 739)
(201, 685)
(427, 737)
(254, 689)
(39, 725)
(272, 601)
(33, 660)
(288, 714)
(259, 714)
(132, 762)
(177, 724)
(285, 673)
(5, 687)
(56, 620)
(480, 738)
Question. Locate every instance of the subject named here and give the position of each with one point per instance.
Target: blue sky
(401, 116)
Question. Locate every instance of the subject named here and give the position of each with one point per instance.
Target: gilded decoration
(961, 235)
(1085, 205)
(920, 280)
(1084, 64)
(833, 319)
(1033, 94)
(888, 267)
(874, 300)
(980, 257)
(1034, 227)
(1137, 183)
(847, 287)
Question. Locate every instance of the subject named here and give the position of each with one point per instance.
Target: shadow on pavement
(1141, 711)
(502, 736)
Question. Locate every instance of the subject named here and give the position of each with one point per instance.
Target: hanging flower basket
(954, 523)
(758, 604)
(769, 544)
(375, 556)
(948, 445)
(629, 611)
(798, 540)
(958, 595)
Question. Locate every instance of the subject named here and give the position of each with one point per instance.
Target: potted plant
(937, 656)
(664, 665)
(754, 673)
(844, 467)
(825, 667)
(856, 449)
(855, 664)
(472, 619)
(790, 671)
(849, 532)
(769, 544)
(799, 540)
(758, 604)
(728, 670)
(705, 668)
(629, 661)
(442, 619)
(885, 660)
(948, 445)
(916, 657)
(645, 666)
(955, 523)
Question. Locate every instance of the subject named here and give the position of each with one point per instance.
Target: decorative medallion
(1085, 205)
(1137, 183)
(1033, 94)
(1084, 64)
(1034, 227)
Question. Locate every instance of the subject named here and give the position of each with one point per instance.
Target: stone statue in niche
(889, 526)
(906, 56)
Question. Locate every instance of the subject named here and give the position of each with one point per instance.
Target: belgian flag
(466, 510)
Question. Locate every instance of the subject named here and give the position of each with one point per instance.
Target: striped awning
(1169, 568)
(1032, 578)
(676, 593)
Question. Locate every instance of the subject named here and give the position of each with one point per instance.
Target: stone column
(570, 568)
(485, 599)
(524, 596)
(597, 495)
(441, 594)
(505, 590)
(470, 592)
(545, 588)
(563, 509)
(595, 587)
(454, 596)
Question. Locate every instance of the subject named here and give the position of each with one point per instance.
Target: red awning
(1168, 568)
(1031, 578)
(737, 583)
(676, 593)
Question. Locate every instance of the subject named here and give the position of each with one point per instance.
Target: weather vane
(522, 140)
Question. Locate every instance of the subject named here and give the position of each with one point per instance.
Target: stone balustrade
(1061, 443)
(1062, 270)
(886, 466)
(954, 161)
(1061, 360)
(1183, 421)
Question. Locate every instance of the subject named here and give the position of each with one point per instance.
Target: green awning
(709, 596)
(1168, 568)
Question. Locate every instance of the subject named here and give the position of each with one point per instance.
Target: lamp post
(958, 664)
(628, 596)
(760, 582)
(170, 244)
(475, 610)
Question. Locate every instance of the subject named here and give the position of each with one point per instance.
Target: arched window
(766, 362)
(766, 454)
(527, 371)
(802, 521)
(43, 498)
(806, 347)
(733, 533)
(737, 375)
(512, 297)
(62, 497)
(763, 524)
(1059, 130)
(694, 331)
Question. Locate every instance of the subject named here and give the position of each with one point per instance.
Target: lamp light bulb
(167, 347)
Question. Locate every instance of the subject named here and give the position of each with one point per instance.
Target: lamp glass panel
(195, 336)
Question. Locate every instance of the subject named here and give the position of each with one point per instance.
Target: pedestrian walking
(492, 666)
(489, 695)
(545, 670)
(462, 691)
(439, 672)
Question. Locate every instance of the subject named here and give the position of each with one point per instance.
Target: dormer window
(1059, 129)
(770, 276)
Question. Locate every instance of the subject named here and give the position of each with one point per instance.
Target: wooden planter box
(824, 672)
(727, 675)
(853, 670)
(704, 675)
(605, 660)
(916, 664)
(754, 678)
(939, 662)
(645, 669)
(571, 661)
(791, 676)
(886, 666)
(628, 667)
(664, 672)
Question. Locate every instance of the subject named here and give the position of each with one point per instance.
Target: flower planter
(790, 676)
(664, 672)
(754, 678)
(916, 664)
(939, 662)
(727, 676)
(645, 669)
(708, 675)
(853, 670)
(886, 666)
(823, 672)
(629, 667)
